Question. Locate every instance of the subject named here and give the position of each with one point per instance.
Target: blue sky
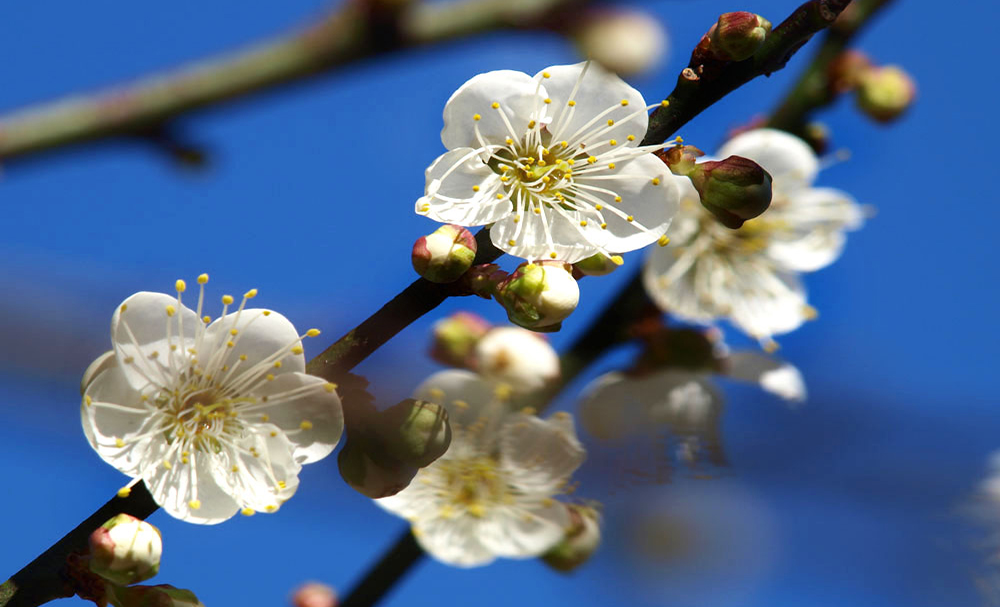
(851, 499)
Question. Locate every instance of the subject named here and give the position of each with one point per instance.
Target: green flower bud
(125, 550)
(539, 295)
(367, 477)
(734, 190)
(737, 36)
(455, 339)
(580, 542)
(885, 93)
(445, 255)
(415, 432)
(597, 264)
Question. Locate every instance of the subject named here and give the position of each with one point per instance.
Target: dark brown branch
(704, 81)
(814, 88)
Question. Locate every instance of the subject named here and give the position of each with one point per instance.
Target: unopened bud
(125, 550)
(162, 595)
(314, 594)
(597, 264)
(680, 159)
(415, 432)
(539, 295)
(737, 36)
(445, 255)
(846, 70)
(580, 542)
(622, 40)
(482, 279)
(369, 478)
(103, 362)
(519, 358)
(885, 93)
(455, 339)
(734, 190)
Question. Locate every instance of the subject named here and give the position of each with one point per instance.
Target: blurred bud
(624, 41)
(734, 190)
(539, 295)
(455, 339)
(367, 477)
(885, 93)
(482, 279)
(314, 594)
(125, 550)
(680, 159)
(162, 595)
(737, 36)
(597, 264)
(846, 69)
(414, 432)
(580, 542)
(519, 358)
(104, 361)
(445, 255)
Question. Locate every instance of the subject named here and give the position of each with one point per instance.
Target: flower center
(472, 485)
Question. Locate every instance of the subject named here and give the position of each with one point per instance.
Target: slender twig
(384, 574)
(813, 89)
(698, 88)
(356, 30)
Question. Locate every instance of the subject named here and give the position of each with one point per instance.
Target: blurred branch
(705, 81)
(813, 89)
(354, 31)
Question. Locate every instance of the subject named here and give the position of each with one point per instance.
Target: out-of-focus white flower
(751, 275)
(625, 41)
(519, 358)
(554, 162)
(492, 493)
(214, 417)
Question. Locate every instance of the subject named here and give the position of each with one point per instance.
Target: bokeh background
(855, 498)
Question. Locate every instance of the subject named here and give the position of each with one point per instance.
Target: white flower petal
(296, 400)
(790, 161)
(538, 455)
(523, 359)
(142, 333)
(419, 500)
(650, 195)
(599, 90)
(775, 376)
(517, 94)
(189, 491)
(686, 401)
(608, 409)
(815, 219)
(522, 533)
(454, 541)
(263, 336)
(112, 414)
(453, 176)
(260, 473)
(467, 397)
(570, 241)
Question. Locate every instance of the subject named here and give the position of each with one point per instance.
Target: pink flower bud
(455, 339)
(734, 190)
(738, 35)
(314, 594)
(445, 255)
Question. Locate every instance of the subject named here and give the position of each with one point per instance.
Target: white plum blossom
(522, 359)
(553, 162)
(751, 275)
(492, 493)
(216, 416)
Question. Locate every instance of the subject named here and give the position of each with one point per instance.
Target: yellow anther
(517, 219)
(571, 103)
(663, 241)
(656, 181)
(624, 102)
(248, 512)
(631, 137)
(495, 105)
(511, 242)
(124, 492)
(206, 319)
(475, 188)
(553, 255)
(613, 142)
(306, 425)
(271, 508)
(243, 356)
(509, 141)
(171, 310)
(167, 465)
(678, 139)
(611, 122)
(437, 393)
(618, 198)
(536, 211)
(598, 207)
(461, 404)
(546, 179)
(250, 294)
(629, 218)
(770, 346)
(583, 223)
(273, 434)
(476, 510)
(184, 460)
(230, 344)
(564, 144)
(477, 117)
(604, 226)
(181, 286)
(202, 279)
(119, 443)
(531, 124)
(235, 468)
(617, 260)
(266, 312)
(502, 391)
(542, 163)
(499, 196)
(548, 502)
(264, 417)
(547, 100)
(611, 165)
(123, 308)
(227, 299)
(809, 312)
(592, 159)
(330, 387)
(269, 377)
(88, 400)
(282, 484)
(664, 103)
(277, 364)
(546, 75)
(297, 350)
(312, 332)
